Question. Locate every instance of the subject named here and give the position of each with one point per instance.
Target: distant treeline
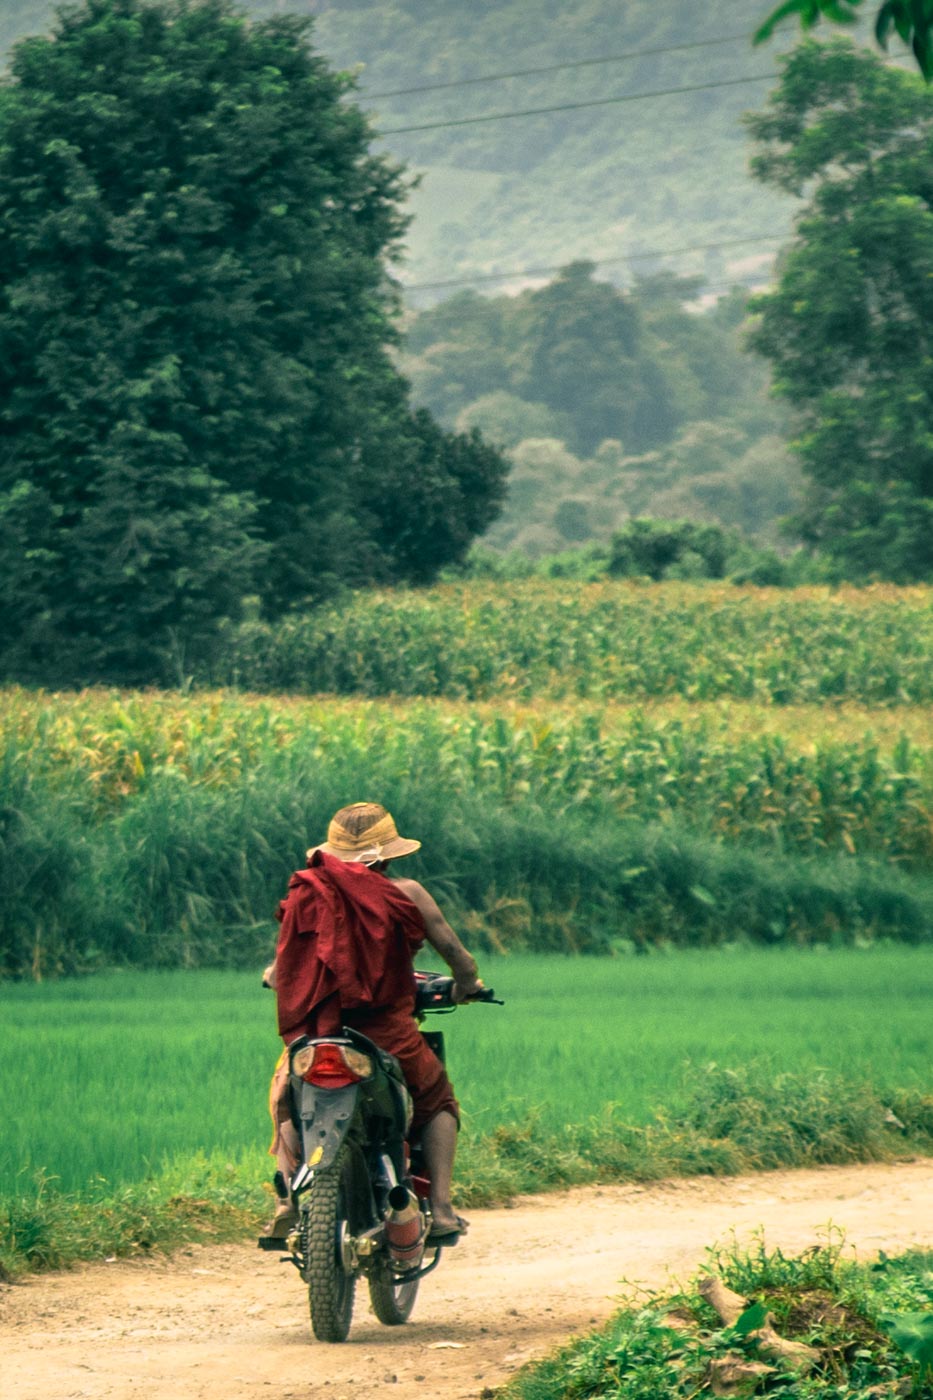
(609, 404)
(659, 550)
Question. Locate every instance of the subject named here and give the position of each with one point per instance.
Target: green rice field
(118, 1076)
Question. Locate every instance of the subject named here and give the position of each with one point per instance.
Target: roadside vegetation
(818, 1326)
(627, 1068)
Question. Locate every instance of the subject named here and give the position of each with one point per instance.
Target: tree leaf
(790, 7)
(751, 1320)
(912, 1333)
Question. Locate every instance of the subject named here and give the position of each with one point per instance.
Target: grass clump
(730, 1121)
(203, 1198)
(860, 1326)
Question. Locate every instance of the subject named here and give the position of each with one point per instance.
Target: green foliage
(607, 641)
(665, 1345)
(44, 850)
(566, 835)
(669, 549)
(810, 13)
(198, 400)
(845, 327)
(609, 403)
(913, 1334)
(912, 20)
(576, 346)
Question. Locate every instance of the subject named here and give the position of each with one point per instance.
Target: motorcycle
(361, 1188)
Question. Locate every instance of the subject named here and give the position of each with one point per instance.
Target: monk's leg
(439, 1144)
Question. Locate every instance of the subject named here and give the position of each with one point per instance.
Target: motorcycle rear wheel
(392, 1301)
(325, 1224)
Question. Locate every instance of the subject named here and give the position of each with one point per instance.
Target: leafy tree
(583, 342)
(847, 326)
(507, 419)
(655, 548)
(719, 456)
(426, 494)
(587, 361)
(195, 326)
(912, 20)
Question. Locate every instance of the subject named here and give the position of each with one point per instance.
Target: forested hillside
(610, 404)
(606, 182)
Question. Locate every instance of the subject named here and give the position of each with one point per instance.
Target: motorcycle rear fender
(324, 1119)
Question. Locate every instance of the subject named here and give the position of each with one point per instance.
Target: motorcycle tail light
(332, 1066)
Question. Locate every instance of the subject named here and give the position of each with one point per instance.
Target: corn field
(159, 829)
(806, 779)
(606, 642)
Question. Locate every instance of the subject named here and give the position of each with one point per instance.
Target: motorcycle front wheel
(326, 1217)
(392, 1300)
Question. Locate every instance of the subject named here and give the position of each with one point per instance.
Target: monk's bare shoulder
(418, 895)
(440, 935)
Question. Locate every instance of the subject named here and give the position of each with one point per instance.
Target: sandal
(447, 1234)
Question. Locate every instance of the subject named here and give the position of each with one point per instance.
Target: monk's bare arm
(443, 939)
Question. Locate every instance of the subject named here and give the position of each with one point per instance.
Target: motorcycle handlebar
(434, 992)
(488, 995)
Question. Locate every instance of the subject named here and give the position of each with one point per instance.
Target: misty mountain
(610, 183)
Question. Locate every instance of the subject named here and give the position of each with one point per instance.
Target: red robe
(348, 936)
(345, 957)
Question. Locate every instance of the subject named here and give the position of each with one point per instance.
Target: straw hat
(366, 833)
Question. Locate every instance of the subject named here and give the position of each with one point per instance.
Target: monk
(349, 930)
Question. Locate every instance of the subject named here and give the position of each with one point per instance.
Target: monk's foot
(447, 1227)
(284, 1220)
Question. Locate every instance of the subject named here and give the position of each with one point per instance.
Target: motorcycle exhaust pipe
(404, 1228)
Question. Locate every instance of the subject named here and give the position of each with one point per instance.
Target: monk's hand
(465, 988)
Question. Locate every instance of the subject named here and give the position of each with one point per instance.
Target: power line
(600, 262)
(577, 106)
(551, 68)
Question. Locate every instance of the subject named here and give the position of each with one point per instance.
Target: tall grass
(161, 830)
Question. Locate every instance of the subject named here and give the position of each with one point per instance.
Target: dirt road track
(228, 1323)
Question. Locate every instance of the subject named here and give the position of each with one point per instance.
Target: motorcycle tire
(325, 1222)
(392, 1300)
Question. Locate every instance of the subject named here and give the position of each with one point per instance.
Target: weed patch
(812, 1327)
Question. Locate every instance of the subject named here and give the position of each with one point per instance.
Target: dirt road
(229, 1323)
